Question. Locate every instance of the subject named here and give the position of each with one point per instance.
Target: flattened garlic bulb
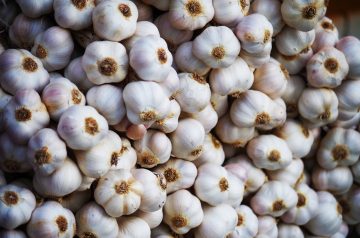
(247, 225)
(337, 181)
(271, 10)
(171, 121)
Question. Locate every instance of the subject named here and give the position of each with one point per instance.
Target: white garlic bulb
(349, 46)
(125, 158)
(105, 62)
(181, 217)
(294, 64)
(125, 13)
(19, 69)
(171, 84)
(170, 122)
(76, 74)
(287, 230)
(247, 225)
(179, 174)
(219, 103)
(326, 34)
(85, 183)
(133, 227)
(91, 220)
(153, 219)
(229, 13)
(267, 227)
(349, 99)
(337, 180)
(207, 117)
(213, 152)
(216, 46)
(293, 174)
(119, 193)
(51, 220)
(34, 8)
(294, 88)
(12, 234)
(271, 10)
(143, 28)
(16, 206)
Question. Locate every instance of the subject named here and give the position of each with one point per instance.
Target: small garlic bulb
(274, 198)
(54, 48)
(326, 34)
(294, 64)
(125, 158)
(105, 25)
(153, 219)
(188, 139)
(327, 68)
(12, 234)
(306, 208)
(171, 121)
(51, 220)
(247, 225)
(271, 10)
(133, 227)
(16, 206)
(292, 42)
(213, 152)
(290, 230)
(218, 221)
(19, 69)
(92, 221)
(76, 74)
(267, 227)
(153, 149)
(219, 103)
(24, 115)
(349, 45)
(255, 32)
(190, 14)
(75, 15)
(216, 46)
(337, 180)
(293, 174)
(46, 151)
(233, 80)
(294, 88)
(105, 62)
(34, 8)
(119, 193)
(143, 28)
(349, 99)
(179, 174)
(229, 13)
(181, 217)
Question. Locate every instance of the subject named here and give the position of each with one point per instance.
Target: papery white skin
(150, 58)
(105, 62)
(145, 11)
(34, 8)
(171, 84)
(328, 219)
(218, 221)
(108, 101)
(216, 46)
(16, 206)
(73, 15)
(337, 181)
(119, 193)
(4, 99)
(76, 74)
(267, 227)
(63, 181)
(327, 68)
(125, 13)
(286, 230)
(143, 28)
(349, 99)
(350, 203)
(229, 13)
(238, 170)
(159, 4)
(21, 70)
(293, 174)
(75, 200)
(24, 30)
(348, 124)
(356, 171)
(133, 227)
(255, 60)
(207, 117)
(12, 234)
(271, 10)
(179, 174)
(53, 47)
(297, 15)
(349, 45)
(274, 198)
(24, 115)
(164, 231)
(153, 219)
(294, 87)
(247, 226)
(51, 219)
(85, 37)
(92, 219)
(59, 95)
(126, 157)
(306, 207)
(219, 103)
(170, 122)
(326, 34)
(72, 122)
(291, 41)
(188, 139)
(86, 183)
(294, 63)
(190, 15)
(342, 232)
(46, 151)
(213, 152)
(235, 79)
(183, 216)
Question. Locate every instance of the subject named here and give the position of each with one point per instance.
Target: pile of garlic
(181, 118)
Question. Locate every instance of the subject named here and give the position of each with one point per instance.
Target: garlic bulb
(267, 227)
(146, 102)
(19, 69)
(91, 220)
(337, 180)
(229, 13)
(318, 106)
(181, 217)
(292, 42)
(170, 122)
(349, 46)
(271, 10)
(274, 198)
(350, 204)
(286, 230)
(150, 58)
(218, 221)
(255, 60)
(76, 74)
(105, 62)
(24, 115)
(188, 139)
(303, 15)
(247, 225)
(190, 14)
(75, 200)
(125, 158)
(105, 25)
(207, 117)
(179, 174)
(255, 32)
(328, 218)
(51, 220)
(356, 171)
(171, 84)
(293, 174)
(153, 219)
(213, 152)
(294, 64)
(306, 207)
(326, 34)
(154, 194)
(327, 68)
(46, 151)
(75, 15)
(162, 5)
(16, 206)
(86, 183)
(294, 88)
(233, 80)
(153, 149)
(119, 193)
(143, 28)
(349, 99)
(108, 101)
(61, 182)
(53, 47)
(145, 11)
(133, 227)
(34, 8)
(12, 234)
(216, 46)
